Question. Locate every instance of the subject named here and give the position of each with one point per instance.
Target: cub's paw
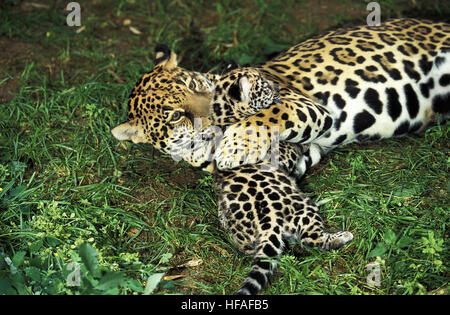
(337, 240)
(242, 146)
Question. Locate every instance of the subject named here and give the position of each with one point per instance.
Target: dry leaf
(235, 40)
(173, 277)
(80, 29)
(114, 75)
(221, 250)
(133, 231)
(135, 30)
(191, 263)
(39, 5)
(123, 146)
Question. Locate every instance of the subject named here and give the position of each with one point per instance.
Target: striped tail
(265, 261)
(258, 277)
(263, 267)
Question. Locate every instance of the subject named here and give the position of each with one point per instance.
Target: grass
(131, 220)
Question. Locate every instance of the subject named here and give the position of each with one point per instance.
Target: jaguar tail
(264, 265)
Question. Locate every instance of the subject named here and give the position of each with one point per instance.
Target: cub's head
(163, 99)
(240, 93)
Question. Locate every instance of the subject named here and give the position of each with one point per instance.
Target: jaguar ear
(165, 57)
(127, 131)
(231, 66)
(245, 86)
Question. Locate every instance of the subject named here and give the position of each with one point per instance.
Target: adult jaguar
(357, 84)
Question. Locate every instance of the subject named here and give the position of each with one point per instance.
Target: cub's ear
(240, 90)
(165, 57)
(245, 86)
(127, 131)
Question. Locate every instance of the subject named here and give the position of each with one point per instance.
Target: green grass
(127, 215)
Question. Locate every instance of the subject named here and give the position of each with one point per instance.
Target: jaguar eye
(176, 116)
(192, 85)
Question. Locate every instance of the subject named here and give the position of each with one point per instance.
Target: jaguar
(263, 209)
(357, 84)
(233, 103)
(248, 192)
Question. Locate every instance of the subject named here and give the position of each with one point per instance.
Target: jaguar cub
(261, 205)
(262, 209)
